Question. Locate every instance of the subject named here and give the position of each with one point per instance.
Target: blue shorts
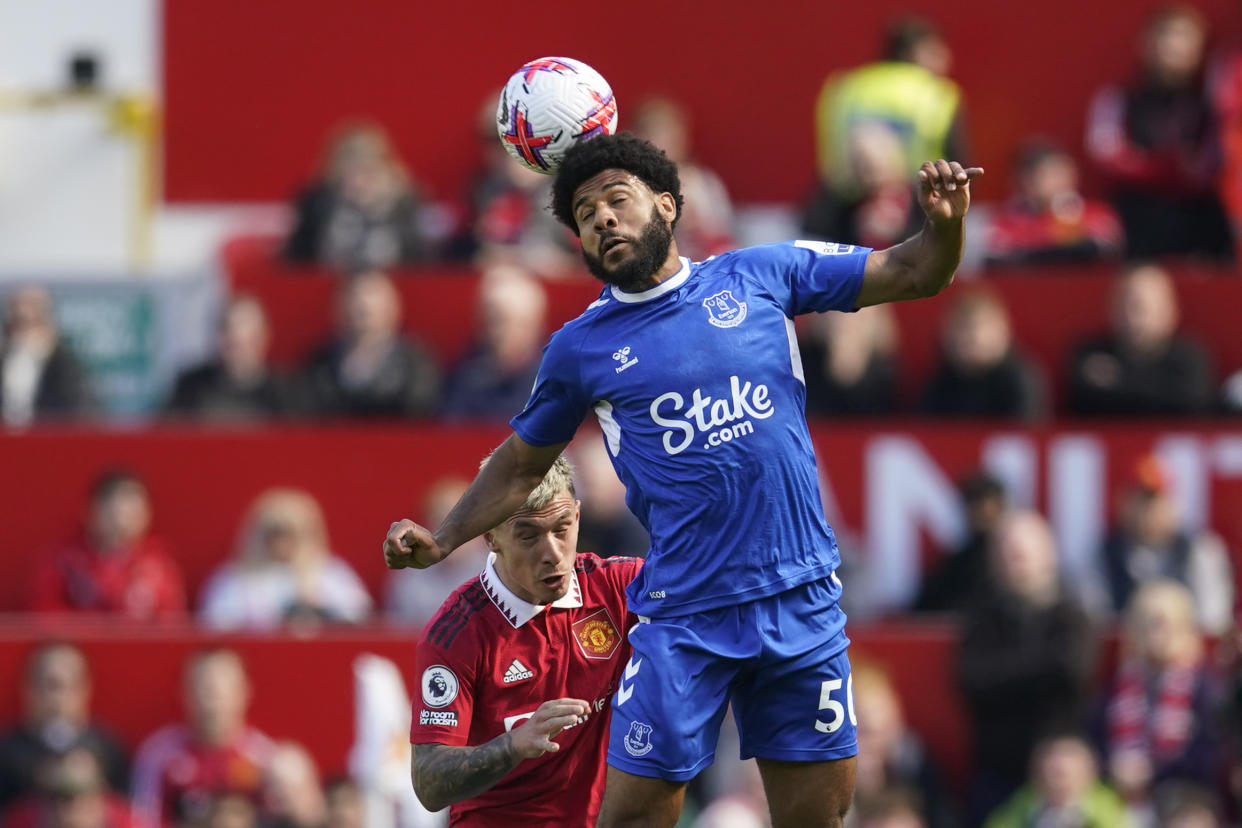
(780, 660)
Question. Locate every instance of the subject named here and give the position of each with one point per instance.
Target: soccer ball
(549, 105)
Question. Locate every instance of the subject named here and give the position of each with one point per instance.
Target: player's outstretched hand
(944, 189)
(411, 545)
(534, 736)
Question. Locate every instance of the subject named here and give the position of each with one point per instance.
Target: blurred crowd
(59, 766)
(1110, 699)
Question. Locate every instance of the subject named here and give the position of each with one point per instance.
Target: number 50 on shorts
(836, 711)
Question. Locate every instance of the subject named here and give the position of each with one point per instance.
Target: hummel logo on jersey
(518, 672)
(623, 356)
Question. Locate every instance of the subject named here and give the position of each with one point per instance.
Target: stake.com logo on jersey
(717, 418)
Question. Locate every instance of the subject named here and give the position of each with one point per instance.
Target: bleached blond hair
(560, 478)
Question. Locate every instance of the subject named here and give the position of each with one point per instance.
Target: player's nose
(605, 217)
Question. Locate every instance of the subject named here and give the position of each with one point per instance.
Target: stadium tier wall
(253, 89)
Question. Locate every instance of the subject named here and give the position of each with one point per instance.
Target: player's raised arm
(924, 264)
(444, 774)
(500, 487)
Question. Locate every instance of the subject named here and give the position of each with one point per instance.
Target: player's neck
(671, 266)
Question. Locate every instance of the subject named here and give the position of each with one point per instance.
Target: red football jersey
(488, 659)
(175, 775)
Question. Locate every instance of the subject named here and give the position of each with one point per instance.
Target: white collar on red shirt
(513, 608)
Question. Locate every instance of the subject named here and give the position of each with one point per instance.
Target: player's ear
(667, 205)
(489, 538)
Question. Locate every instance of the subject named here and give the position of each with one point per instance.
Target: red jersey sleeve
(443, 692)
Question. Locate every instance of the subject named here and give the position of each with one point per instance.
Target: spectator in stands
(283, 571)
(1160, 722)
(344, 803)
(982, 373)
(850, 363)
(493, 381)
(895, 809)
(880, 208)
(1156, 142)
(293, 798)
(181, 767)
(1025, 659)
(371, 369)
(71, 792)
(1231, 393)
(40, 378)
(56, 719)
(906, 89)
(1048, 220)
(891, 757)
(1064, 790)
(733, 795)
(1144, 367)
(507, 217)
(963, 574)
(606, 526)
(227, 810)
(237, 383)
(1149, 542)
(115, 566)
(414, 595)
(1182, 805)
(706, 224)
(363, 211)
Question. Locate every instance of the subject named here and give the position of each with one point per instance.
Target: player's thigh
(632, 801)
(796, 704)
(671, 698)
(808, 794)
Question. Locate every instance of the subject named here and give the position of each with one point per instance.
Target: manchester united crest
(597, 636)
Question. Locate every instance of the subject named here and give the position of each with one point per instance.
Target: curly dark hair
(622, 151)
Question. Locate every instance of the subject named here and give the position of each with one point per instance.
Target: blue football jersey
(698, 387)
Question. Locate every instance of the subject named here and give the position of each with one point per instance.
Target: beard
(647, 255)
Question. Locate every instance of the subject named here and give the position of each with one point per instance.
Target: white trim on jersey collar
(672, 283)
(516, 611)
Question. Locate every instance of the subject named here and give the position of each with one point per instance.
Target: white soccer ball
(549, 105)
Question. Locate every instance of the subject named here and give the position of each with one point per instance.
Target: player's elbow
(425, 787)
(431, 803)
(427, 797)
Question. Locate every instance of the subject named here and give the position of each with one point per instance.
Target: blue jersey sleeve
(557, 403)
(813, 276)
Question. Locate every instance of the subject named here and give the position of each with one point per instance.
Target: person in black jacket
(1143, 367)
(363, 211)
(40, 377)
(238, 383)
(371, 369)
(55, 720)
(982, 373)
(1025, 660)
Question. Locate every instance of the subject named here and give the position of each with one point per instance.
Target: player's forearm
(444, 774)
(931, 257)
(919, 267)
(511, 474)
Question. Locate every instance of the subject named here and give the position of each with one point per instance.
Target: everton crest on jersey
(697, 384)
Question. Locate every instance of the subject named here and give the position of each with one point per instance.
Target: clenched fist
(411, 545)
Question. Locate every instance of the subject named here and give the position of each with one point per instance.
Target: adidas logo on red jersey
(518, 672)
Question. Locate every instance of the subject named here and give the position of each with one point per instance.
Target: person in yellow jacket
(906, 90)
(1065, 789)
